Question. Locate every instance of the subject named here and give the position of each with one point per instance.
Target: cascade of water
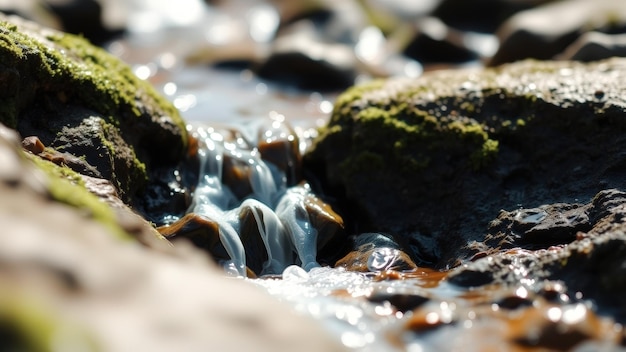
(211, 198)
(235, 178)
(292, 212)
(272, 232)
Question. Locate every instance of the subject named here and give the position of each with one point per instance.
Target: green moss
(138, 168)
(66, 186)
(483, 156)
(82, 72)
(27, 325)
(362, 161)
(400, 136)
(354, 94)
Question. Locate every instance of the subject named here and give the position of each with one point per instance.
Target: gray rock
(480, 15)
(435, 42)
(537, 228)
(545, 31)
(300, 58)
(593, 46)
(592, 267)
(433, 160)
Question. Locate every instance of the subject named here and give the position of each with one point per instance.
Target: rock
(401, 302)
(375, 252)
(95, 20)
(86, 18)
(33, 11)
(436, 43)
(593, 46)
(78, 99)
(486, 15)
(434, 159)
(591, 267)
(72, 279)
(534, 33)
(536, 228)
(301, 59)
(332, 21)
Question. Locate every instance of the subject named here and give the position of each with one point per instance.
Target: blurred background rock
(326, 45)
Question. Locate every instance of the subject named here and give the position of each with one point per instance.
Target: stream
(230, 112)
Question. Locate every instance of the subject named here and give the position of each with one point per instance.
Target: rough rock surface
(591, 264)
(72, 279)
(433, 160)
(78, 99)
(535, 33)
(593, 46)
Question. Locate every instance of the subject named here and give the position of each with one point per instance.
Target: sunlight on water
(337, 298)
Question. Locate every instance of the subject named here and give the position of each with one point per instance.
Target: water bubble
(294, 272)
(382, 259)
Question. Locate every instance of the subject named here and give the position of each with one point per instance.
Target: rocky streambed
(470, 208)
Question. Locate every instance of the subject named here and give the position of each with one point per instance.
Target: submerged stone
(432, 160)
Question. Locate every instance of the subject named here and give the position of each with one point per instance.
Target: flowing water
(232, 115)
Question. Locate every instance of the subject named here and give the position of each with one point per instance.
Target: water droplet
(294, 272)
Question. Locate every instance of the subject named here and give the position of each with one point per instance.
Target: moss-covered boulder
(78, 99)
(433, 160)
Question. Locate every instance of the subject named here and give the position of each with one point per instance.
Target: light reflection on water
(450, 317)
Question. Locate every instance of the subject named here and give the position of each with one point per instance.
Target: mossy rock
(432, 160)
(79, 99)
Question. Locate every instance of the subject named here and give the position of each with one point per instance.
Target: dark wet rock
(375, 252)
(482, 15)
(591, 268)
(78, 99)
(332, 21)
(435, 42)
(535, 34)
(369, 258)
(84, 17)
(575, 325)
(593, 46)
(514, 302)
(433, 160)
(301, 59)
(536, 228)
(475, 277)
(401, 302)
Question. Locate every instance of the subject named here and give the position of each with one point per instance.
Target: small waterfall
(254, 172)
